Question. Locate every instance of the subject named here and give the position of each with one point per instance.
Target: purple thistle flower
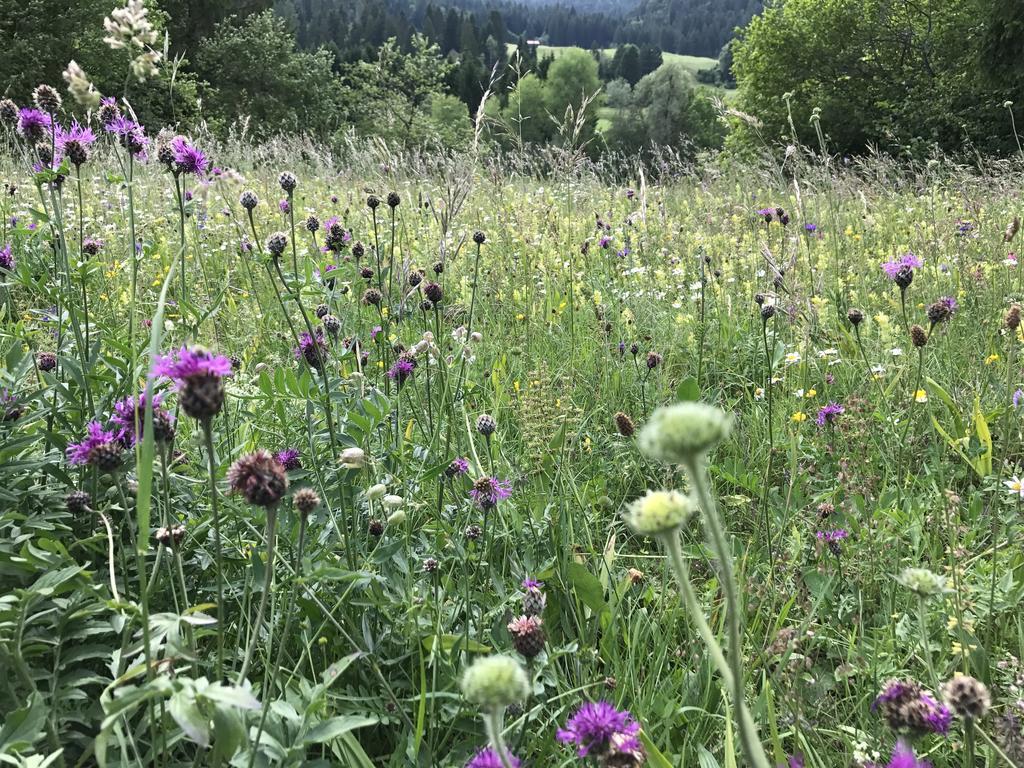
(810, 229)
(187, 157)
(796, 761)
(312, 349)
(605, 241)
(939, 716)
(374, 331)
(903, 757)
(33, 124)
(1017, 395)
(595, 725)
(132, 411)
(76, 132)
(488, 491)
(289, 459)
(532, 585)
(7, 258)
(460, 466)
(130, 134)
(828, 414)
(907, 261)
(85, 452)
(285, 206)
(830, 536)
(189, 363)
(488, 758)
(402, 369)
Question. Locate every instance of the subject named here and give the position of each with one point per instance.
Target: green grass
(593, 308)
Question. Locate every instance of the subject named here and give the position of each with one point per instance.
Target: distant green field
(691, 63)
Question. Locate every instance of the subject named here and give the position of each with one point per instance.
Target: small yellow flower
(811, 393)
(991, 359)
(520, 317)
(920, 396)
(798, 417)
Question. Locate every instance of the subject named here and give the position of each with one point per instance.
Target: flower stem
(752, 746)
(218, 550)
(267, 580)
(493, 724)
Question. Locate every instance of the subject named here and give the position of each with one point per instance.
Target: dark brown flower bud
(259, 477)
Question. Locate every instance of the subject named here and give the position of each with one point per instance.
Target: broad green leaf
(587, 587)
(325, 731)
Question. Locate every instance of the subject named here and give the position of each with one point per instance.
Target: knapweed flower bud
(276, 243)
(375, 527)
(904, 277)
(287, 181)
(967, 696)
(312, 223)
(373, 202)
(47, 99)
(624, 424)
(77, 502)
(486, 425)
(353, 458)
(922, 582)
(376, 492)
(682, 432)
(479, 237)
(46, 361)
(1012, 319)
(855, 316)
(306, 500)
(332, 324)
(430, 565)
(393, 200)
(527, 635)
(8, 112)
(371, 297)
(767, 312)
(494, 682)
(658, 512)
(918, 336)
(321, 310)
(249, 200)
(259, 477)
(433, 292)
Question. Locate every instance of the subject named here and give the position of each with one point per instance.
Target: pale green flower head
(922, 582)
(659, 512)
(495, 681)
(680, 433)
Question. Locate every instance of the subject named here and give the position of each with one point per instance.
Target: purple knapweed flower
(7, 258)
(827, 414)
(285, 206)
(810, 229)
(402, 369)
(488, 758)
(189, 363)
(187, 157)
(903, 757)
(132, 411)
(605, 241)
(97, 441)
(594, 727)
(1017, 395)
(312, 349)
(130, 134)
(289, 459)
(488, 491)
(33, 125)
(907, 261)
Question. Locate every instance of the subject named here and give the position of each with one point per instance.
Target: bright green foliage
(900, 76)
(259, 74)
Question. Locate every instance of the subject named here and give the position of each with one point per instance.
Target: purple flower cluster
(599, 728)
(312, 349)
(488, 758)
(903, 757)
(402, 369)
(827, 414)
(129, 134)
(190, 363)
(488, 491)
(289, 459)
(188, 158)
(7, 258)
(907, 261)
(909, 708)
(132, 411)
(33, 125)
(97, 439)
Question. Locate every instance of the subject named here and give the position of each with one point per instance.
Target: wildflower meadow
(358, 456)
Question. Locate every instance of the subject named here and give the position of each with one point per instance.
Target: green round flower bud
(397, 518)
(659, 512)
(495, 681)
(922, 582)
(682, 432)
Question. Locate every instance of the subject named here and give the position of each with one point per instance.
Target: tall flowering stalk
(494, 683)
(683, 434)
